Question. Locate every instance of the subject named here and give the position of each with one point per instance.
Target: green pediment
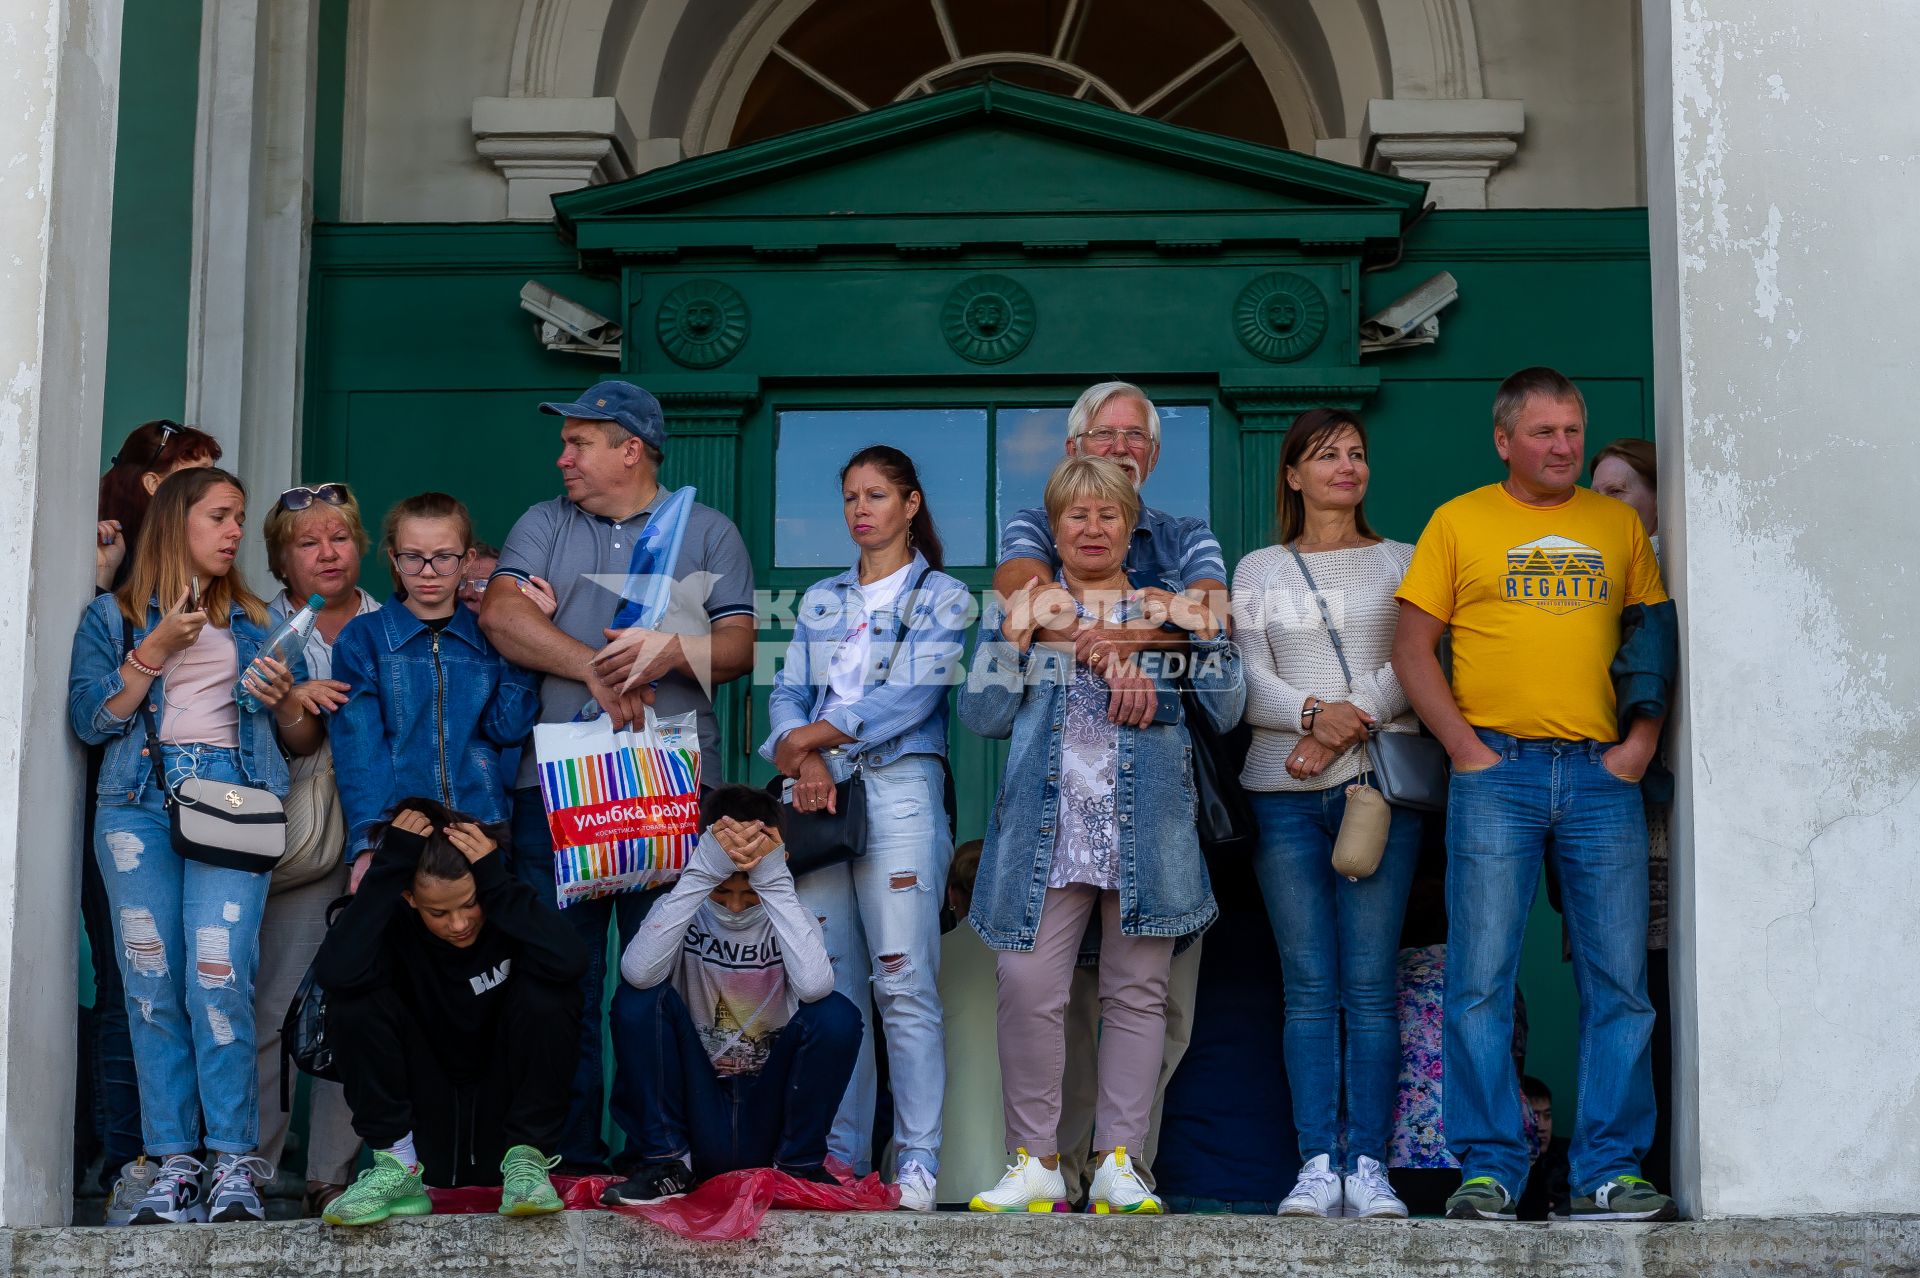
(988, 163)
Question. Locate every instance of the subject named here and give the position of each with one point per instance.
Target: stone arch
(679, 68)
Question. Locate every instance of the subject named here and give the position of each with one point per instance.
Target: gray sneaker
(129, 1187)
(231, 1192)
(1482, 1198)
(173, 1196)
(1624, 1198)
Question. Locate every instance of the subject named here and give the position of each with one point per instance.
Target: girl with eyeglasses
(429, 703)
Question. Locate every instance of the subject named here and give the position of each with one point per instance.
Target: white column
(58, 111)
(1781, 150)
(252, 186)
(1453, 145)
(544, 146)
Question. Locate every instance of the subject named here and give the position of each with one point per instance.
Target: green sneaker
(384, 1189)
(1624, 1198)
(525, 1189)
(1482, 1198)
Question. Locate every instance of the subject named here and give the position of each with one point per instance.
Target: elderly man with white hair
(1115, 420)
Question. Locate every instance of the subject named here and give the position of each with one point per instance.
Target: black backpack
(303, 1035)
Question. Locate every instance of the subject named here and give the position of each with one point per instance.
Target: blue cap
(626, 405)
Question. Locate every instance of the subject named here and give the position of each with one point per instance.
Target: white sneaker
(173, 1196)
(915, 1183)
(1316, 1192)
(1118, 1190)
(233, 1193)
(1369, 1195)
(1027, 1186)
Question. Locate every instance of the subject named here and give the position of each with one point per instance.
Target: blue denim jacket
(904, 708)
(424, 717)
(1164, 889)
(94, 678)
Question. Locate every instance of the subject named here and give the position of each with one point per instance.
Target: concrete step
(956, 1245)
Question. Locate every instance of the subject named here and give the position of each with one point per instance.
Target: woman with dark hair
(1315, 618)
(153, 678)
(863, 696)
(151, 452)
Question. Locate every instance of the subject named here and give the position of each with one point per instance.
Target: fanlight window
(1172, 60)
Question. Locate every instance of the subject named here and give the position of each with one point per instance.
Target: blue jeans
(1338, 943)
(880, 919)
(189, 1008)
(670, 1097)
(1547, 799)
(108, 1048)
(582, 1151)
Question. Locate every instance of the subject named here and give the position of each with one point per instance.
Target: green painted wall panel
(152, 253)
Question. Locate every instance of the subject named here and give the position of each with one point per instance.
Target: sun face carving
(988, 319)
(702, 323)
(1280, 317)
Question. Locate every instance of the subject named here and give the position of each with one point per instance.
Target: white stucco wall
(1781, 191)
(57, 114)
(1574, 63)
(414, 69)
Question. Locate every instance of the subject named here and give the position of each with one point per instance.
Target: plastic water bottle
(284, 638)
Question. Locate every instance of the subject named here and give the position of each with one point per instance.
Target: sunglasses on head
(168, 429)
(302, 497)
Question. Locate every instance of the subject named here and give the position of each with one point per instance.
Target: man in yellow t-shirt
(1531, 576)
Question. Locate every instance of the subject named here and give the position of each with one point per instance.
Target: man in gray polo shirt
(613, 440)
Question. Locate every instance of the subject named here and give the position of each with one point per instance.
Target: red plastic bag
(723, 1209)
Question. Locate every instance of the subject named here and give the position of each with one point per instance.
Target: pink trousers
(1033, 989)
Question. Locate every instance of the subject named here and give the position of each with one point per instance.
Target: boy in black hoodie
(453, 1002)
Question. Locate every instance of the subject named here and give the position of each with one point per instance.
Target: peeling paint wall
(1781, 187)
(57, 111)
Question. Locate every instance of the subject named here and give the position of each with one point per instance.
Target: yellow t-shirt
(1533, 596)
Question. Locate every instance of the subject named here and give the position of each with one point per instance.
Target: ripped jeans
(880, 917)
(188, 937)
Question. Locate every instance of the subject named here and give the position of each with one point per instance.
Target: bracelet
(298, 720)
(1307, 715)
(141, 666)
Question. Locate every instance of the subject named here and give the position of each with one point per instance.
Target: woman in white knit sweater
(1337, 937)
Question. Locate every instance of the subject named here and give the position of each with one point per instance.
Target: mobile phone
(1166, 706)
(193, 594)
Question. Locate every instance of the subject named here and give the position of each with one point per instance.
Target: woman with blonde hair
(153, 677)
(1093, 818)
(315, 539)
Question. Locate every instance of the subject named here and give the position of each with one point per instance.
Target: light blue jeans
(880, 916)
(188, 937)
(1547, 799)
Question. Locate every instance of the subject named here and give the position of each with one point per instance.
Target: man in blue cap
(612, 442)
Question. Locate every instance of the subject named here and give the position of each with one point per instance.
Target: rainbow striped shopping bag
(623, 807)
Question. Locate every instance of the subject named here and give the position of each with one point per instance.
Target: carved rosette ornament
(702, 323)
(1280, 317)
(988, 319)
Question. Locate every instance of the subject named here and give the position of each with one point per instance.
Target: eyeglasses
(1105, 436)
(302, 497)
(413, 565)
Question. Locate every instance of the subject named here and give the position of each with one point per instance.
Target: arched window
(1173, 60)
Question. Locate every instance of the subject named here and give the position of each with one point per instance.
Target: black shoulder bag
(816, 840)
(303, 1034)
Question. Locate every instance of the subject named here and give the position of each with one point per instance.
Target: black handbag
(816, 840)
(1409, 769)
(303, 1034)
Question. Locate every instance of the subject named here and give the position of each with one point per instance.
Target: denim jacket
(904, 707)
(1164, 889)
(94, 678)
(427, 715)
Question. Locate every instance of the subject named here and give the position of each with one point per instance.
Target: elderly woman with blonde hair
(1093, 817)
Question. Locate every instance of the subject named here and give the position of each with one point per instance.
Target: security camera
(565, 325)
(1413, 320)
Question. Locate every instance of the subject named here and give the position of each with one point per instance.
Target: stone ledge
(954, 1245)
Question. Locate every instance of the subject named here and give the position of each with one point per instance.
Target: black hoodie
(380, 942)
